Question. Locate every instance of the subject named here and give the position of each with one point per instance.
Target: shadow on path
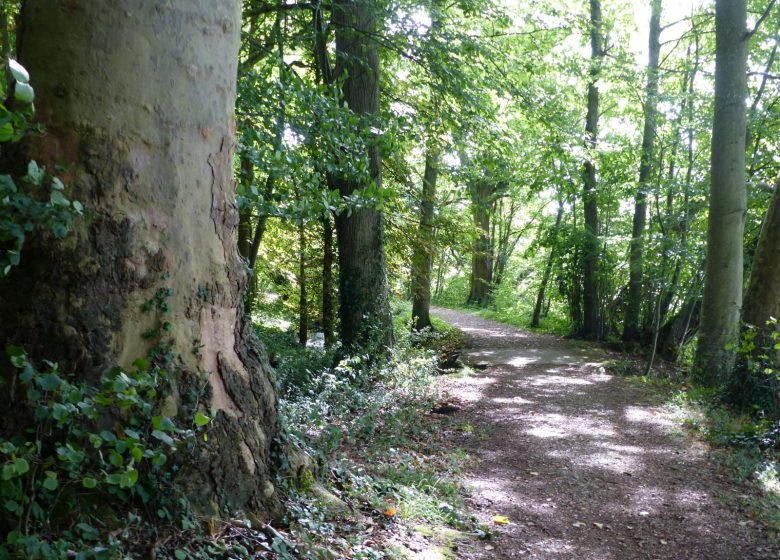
(584, 465)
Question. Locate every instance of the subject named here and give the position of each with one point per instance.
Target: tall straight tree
(636, 251)
(422, 254)
(364, 308)
(590, 256)
(481, 192)
(722, 301)
(152, 161)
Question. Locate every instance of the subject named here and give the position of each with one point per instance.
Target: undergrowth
(379, 462)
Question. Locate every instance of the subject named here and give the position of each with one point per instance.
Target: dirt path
(583, 464)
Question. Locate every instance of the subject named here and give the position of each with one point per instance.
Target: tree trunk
(327, 283)
(364, 307)
(422, 258)
(762, 299)
(590, 256)
(636, 251)
(722, 301)
(303, 322)
(481, 252)
(547, 269)
(152, 161)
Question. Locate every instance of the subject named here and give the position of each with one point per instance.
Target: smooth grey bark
(152, 161)
(590, 254)
(636, 251)
(722, 301)
(422, 256)
(364, 307)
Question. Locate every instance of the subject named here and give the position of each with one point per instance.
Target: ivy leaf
(19, 72)
(201, 419)
(50, 482)
(24, 93)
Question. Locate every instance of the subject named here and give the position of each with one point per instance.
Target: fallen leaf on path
(390, 512)
(500, 520)
(599, 525)
(577, 524)
(533, 473)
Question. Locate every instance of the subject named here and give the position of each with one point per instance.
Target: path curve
(584, 464)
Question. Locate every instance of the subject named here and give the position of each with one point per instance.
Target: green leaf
(162, 436)
(49, 382)
(180, 554)
(50, 482)
(18, 71)
(21, 465)
(24, 93)
(201, 419)
(89, 482)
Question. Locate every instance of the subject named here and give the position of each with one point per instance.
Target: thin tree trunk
(422, 257)
(364, 307)
(590, 256)
(481, 254)
(636, 251)
(303, 304)
(547, 269)
(722, 302)
(152, 160)
(327, 283)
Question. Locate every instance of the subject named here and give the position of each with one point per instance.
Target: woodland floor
(585, 464)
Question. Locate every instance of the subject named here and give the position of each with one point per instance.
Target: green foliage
(91, 455)
(755, 384)
(36, 202)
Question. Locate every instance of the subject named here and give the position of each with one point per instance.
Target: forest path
(584, 464)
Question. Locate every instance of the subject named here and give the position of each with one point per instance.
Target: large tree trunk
(636, 252)
(364, 307)
(590, 256)
(722, 301)
(137, 97)
(422, 258)
(481, 250)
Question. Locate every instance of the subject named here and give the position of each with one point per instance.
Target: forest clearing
(405, 279)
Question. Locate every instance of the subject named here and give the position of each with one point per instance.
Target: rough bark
(422, 257)
(590, 253)
(723, 281)
(137, 97)
(547, 269)
(481, 250)
(636, 251)
(364, 308)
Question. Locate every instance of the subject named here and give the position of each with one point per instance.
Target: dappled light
(580, 463)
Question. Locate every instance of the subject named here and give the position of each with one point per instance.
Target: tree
(422, 255)
(590, 257)
(636, 252)
(762, 299)
(152, 160)
(722, 301)
(364, 308)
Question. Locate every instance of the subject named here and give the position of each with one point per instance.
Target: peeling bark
(137, 98)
